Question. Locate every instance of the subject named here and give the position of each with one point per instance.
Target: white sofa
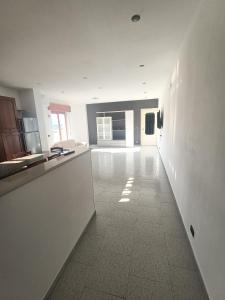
(69, 144)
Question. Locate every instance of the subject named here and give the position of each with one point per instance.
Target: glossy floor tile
(90, 294)
(136, 246)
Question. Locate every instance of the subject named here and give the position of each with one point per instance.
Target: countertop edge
(36, 172)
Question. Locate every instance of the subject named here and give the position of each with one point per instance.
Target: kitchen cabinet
(11, 145)
(2, 149)
(8, 120)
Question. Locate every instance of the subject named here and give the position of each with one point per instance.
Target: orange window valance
(55, 107)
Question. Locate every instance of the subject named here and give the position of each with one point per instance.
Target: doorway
(149, 126)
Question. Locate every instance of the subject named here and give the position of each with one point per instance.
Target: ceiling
(87, 49)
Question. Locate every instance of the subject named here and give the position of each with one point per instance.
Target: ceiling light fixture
(135, 18)
(141, 66)
(144, 82)
(85, 77)
(95, 98)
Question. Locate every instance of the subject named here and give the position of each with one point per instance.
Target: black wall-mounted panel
(162, 117)
(158, 120)
(149, 123)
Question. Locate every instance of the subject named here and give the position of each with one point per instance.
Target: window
(149, 123)
(59, 126)
(59, 121)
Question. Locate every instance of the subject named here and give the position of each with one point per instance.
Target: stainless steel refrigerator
(31, 135)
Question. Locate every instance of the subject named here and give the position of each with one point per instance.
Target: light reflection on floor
(117, 150)
(127, 190)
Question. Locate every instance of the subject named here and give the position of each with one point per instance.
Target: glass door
(104, 128)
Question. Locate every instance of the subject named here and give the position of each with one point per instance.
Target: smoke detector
(135, 18)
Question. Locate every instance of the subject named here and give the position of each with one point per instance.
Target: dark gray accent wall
(135, 105)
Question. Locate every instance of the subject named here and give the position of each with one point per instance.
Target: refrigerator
(31, 135)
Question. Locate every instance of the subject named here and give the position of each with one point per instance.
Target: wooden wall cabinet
(7, 114)
(11, 145)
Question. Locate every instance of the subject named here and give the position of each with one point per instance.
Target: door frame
(155, 110)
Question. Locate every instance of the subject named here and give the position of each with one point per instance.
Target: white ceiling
(52, 44)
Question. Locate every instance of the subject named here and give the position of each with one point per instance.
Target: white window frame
(59, 127)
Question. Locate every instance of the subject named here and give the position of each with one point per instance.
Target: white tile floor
(135, 248)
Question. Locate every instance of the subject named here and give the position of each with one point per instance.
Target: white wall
(77, 119)
(40, 224)
(193, 140)
(41, 104)
(10, 92)
(79, 126)
(129, 119)
(27, 102)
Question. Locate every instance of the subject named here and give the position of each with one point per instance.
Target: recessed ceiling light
(144, 82)
(95, 98)
(85, 77)
(135, 18)
(141, 66)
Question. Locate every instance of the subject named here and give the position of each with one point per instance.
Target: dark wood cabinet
(2, 149)
(7, 114)
(11, 145)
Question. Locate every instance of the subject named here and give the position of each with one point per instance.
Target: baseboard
(196, 261)
(67, 261)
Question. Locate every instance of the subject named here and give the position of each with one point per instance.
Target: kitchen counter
(43, 212)
(12, 182)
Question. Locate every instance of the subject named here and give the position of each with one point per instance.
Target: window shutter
(60, 108)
